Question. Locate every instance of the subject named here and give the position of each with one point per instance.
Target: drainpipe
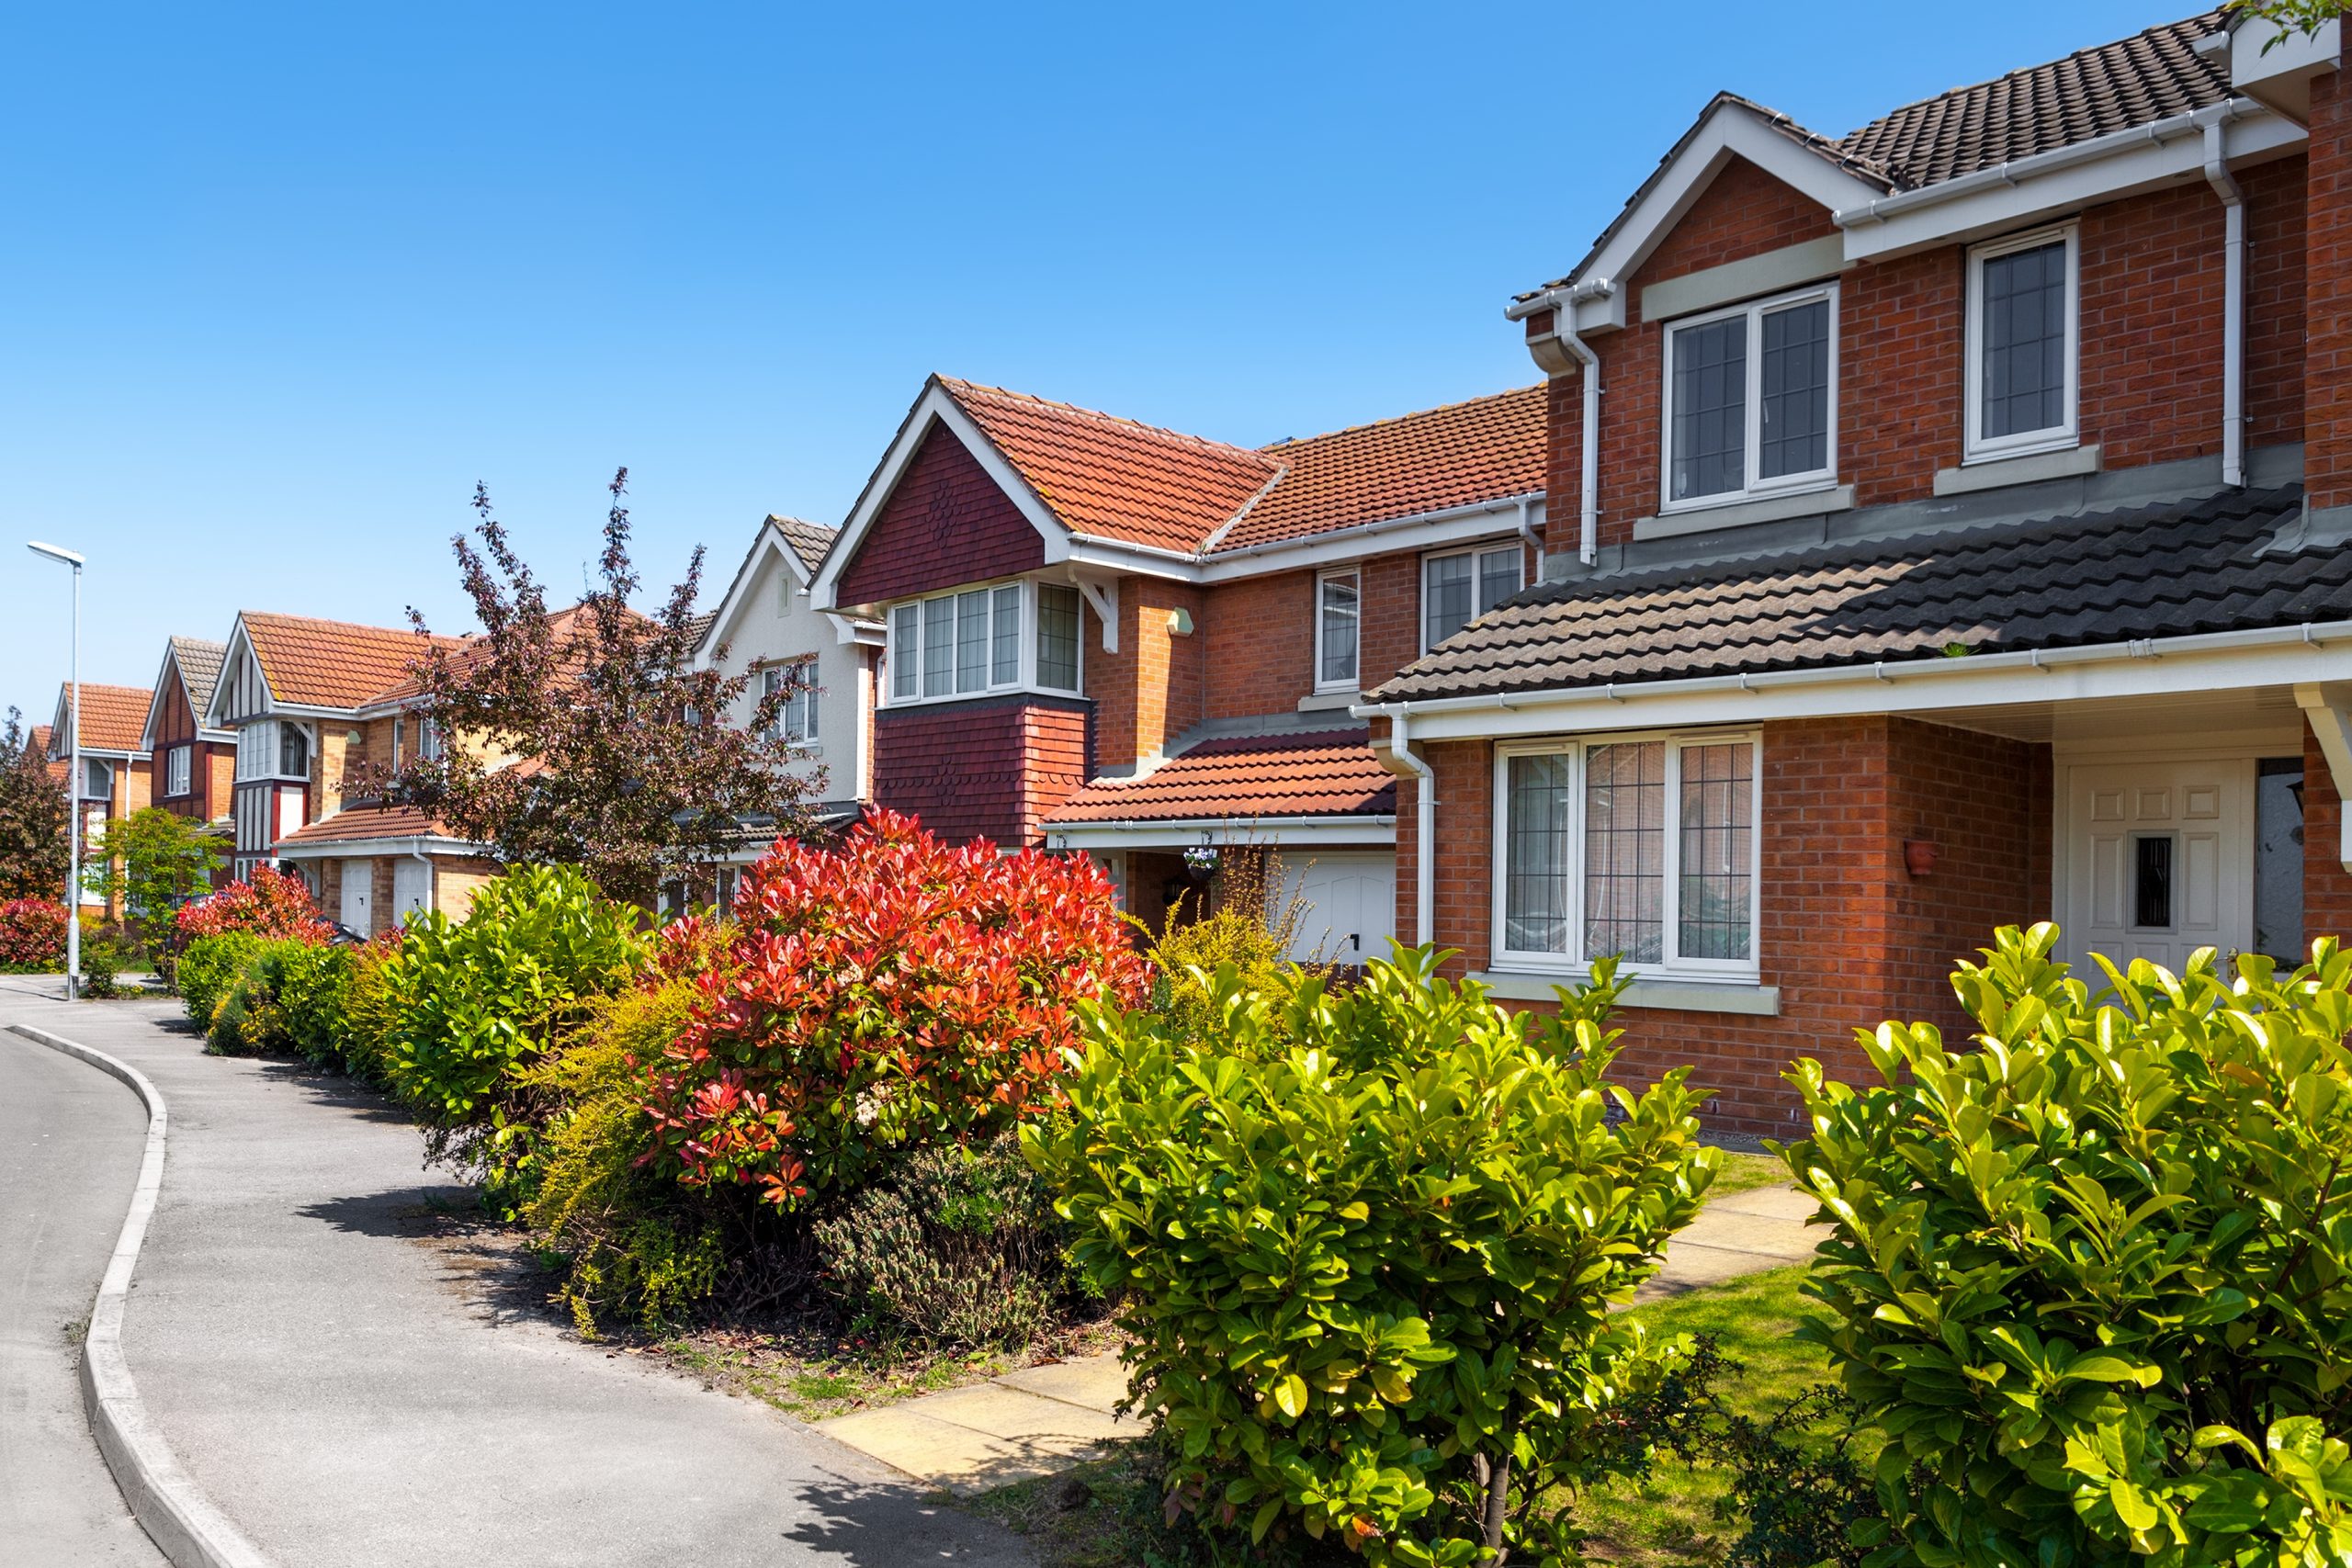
(1527, 535)
(1401, 745)
(2217, 173)
(1588, 481)
(426, 860)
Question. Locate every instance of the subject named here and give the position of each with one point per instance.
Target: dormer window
(272, 749)
(1751, 400)
(2022, 345)
(1010, 636)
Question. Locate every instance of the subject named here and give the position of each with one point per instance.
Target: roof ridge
(340, 625)
(1288, 441)
(956, 384)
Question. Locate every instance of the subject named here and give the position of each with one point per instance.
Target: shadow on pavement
(487, 1262)
(348, 1095)
(877, 1526)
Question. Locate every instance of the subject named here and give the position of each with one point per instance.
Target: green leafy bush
(102, 969)
(2092, 1275)
(207, 967)
(312, 986)
(1185, 959)
(1369, 1243)
(370, 1011)
(959, 1247)
(288, 998)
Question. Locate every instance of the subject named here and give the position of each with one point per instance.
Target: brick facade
(947, 524)
(2327, 886)
(988, 768)
(2327, 367)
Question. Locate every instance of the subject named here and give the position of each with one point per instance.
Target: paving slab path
(351, 1394)
(1040, 1421)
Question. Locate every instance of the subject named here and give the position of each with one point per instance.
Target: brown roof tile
(1237, 778)
(39, 741)
(363, 824)
(331, 664)
(114, 716)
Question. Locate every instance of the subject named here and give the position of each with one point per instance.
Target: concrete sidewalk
(353, 1394)
(1043, 1419)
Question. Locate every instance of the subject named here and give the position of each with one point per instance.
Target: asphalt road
(353, 1391)
(70, 1143)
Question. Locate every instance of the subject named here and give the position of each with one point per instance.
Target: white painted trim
(1202, 832)
(2326, 707)
(1680, 995)
(1754, 486)
(1104, 595)
(1696, 518)
(215, 712)
(771, 539)
(1352, 681)
(2064, 436)
(426, 844)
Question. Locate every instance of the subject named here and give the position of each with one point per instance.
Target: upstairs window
(293, 753)
(428, 740)
(1751, 400)
(977, 640)
(798, 721)
(2022, 349)
(97, 778)
(272, 749)
(1058, 623)
(175, 771)
(1337, 612)
(1456, 589)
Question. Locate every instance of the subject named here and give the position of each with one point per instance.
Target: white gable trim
(936, 410)
(770, 541)
(165, 679)
(216, 715)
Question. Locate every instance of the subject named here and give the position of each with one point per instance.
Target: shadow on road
(877, 1526)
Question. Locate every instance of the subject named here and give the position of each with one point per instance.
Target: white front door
(2159, 862)
(411, 889)
(1347, 908)
(358, 888)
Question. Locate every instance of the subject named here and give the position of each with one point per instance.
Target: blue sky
(280, 286)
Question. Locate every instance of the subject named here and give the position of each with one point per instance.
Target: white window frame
(271, 749)
(772, 678)
(1979, 448)
(1672, 964)
(1354, 679)
(178, 771)
(89, 765)
(897, 657)
(1478, 553)
(1754, 486)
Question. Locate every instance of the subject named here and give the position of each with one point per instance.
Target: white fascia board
(372, 849)
(2064, 180)
(934, 408)
(216, 712)
(1421, 531)
(1207, 831)
(770, 540)
(164, 678)
(2220, 661)
(2266, 53)
(1733, 130)
(856, 629)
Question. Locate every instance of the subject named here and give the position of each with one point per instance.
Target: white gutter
(2156, 132)
(2217, 174)
(1401, 745)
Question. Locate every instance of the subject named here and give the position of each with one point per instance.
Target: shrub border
(184, 1523)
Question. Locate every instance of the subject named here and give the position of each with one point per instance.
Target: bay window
(2023, 348)
(272, 749)
(1337, 611)
(1751, 400)
(974, 640)
(1458, 588)
(1641, 847)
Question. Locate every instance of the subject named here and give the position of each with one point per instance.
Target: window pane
(972, 640)
(1057, 637)
(1717, 852)
(2152, 883)
(1446, 596)
(1536, 886)
(771, 681)
(905, 653)
(938, 648)
(1006, 668)
(2278, 859)
(1710, 408)
(293, 752)
(1499, 573)
(1624, 852)
(1795, 371)
(800, 707)
(1339, 616)
(2025, 340)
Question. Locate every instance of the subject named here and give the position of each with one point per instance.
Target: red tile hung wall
(946, 524)
(2328, 282)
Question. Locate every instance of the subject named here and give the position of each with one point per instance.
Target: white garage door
(411, 889)
(358, 891)
(1347, 906)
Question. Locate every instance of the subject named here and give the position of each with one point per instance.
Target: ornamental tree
(272, 905)
(34, 818)
(156, 861)
(587, 736)
(890, 992)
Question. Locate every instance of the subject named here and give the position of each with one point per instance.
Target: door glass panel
(2278, 859)
(2152, 858)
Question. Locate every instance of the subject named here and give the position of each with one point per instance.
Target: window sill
(1737, 513)
(1742, 997)
(902, 704)
(1995, 470)
(1324, 702)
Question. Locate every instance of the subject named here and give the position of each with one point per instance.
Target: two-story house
(308, 700)
(1104, 635)
(1950, 527)
(116, 778)
(193, 768)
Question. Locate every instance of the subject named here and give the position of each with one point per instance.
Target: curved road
(71, 1139)
(353, 1394)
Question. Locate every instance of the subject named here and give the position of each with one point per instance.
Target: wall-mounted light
(1179, 622)
(1918, 856)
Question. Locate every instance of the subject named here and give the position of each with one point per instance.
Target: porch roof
(2235, 561)
(1237, 778)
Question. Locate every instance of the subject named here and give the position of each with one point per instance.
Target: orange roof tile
(39, 741)
(1114, 477)
(1324, 773)
(115, 717)
(362, 824)
(1485, 450)
(330, 664)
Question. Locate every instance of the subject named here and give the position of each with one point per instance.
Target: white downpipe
(2217, 174)
(430, 893)
(1401, 745)
(1588, 481)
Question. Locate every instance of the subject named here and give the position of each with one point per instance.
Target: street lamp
(72, 778)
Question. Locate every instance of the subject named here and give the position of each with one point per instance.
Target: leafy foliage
(2093, 1276)
(880, 996)
(593, 739)
(1798, 1493)
(102, 962)
(209, 966)
(34, 818)
(1369, 1243)
(155, 861)
(271, 904)
(370, 1012)
(2305, 16)
(32, 936)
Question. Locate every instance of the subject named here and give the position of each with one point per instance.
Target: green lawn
(1744, 1173)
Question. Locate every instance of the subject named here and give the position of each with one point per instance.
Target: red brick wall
(2327, 887)
(946, 522)
(2327, 280)
(990, 767)
(2274, 301)
(2152, 326)
(1258, 637)
(1152, 690)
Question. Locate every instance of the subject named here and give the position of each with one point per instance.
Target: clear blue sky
(278, 285)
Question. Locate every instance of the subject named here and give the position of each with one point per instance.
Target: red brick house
(193, 768)
(1951, 525)
(1107, 637)
(116, 776)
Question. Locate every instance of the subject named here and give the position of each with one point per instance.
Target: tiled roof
(114, 717)
(363, 824)
(1326, 774)
(331, 664)
(199, 667)
(809, 541)
(39, 740)
(1114, 477)
(1485, 450)
(2227, 563)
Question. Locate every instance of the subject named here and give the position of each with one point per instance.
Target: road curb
(182, 1521)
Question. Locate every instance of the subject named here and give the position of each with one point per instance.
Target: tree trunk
(1497, 1480)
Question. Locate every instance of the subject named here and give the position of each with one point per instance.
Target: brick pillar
(2327, 352)
(2327, 887)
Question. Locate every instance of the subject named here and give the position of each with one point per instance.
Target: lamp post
(72, 778)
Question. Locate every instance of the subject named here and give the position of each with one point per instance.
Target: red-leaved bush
(887, 993)
(272, 905)
(32, 934)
